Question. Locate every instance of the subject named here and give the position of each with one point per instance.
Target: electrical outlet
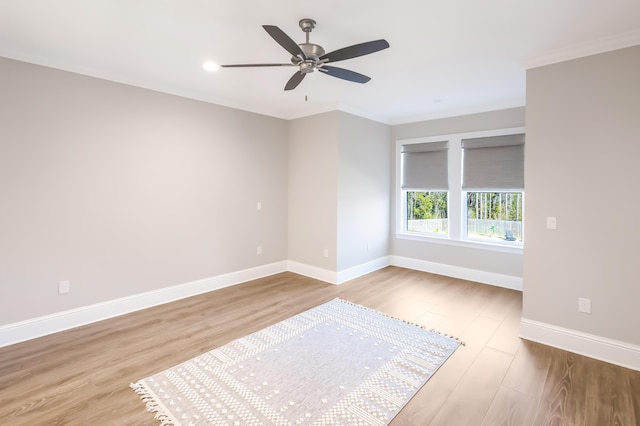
(259, 205)
(326, 253)
(259, 250)
(64, 287)
(584, 305)
(552, 223)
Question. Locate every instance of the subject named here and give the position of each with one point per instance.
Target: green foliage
(495, 205)
(491, 214)
(427, 205)
(481, 205)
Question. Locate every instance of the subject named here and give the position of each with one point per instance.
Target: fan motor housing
(311, 51)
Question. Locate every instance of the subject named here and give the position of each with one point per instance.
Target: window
(493, 182)
(425, 181)
(464, 188)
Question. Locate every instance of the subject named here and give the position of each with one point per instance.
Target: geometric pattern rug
(336, 364)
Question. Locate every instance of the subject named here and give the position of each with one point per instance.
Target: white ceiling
(446, 57)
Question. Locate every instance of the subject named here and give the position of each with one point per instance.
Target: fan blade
(284, 40)
(344, 74)
(256, 65)
(294, 81)
(355, 51)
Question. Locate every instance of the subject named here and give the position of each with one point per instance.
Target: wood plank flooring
(82, 376)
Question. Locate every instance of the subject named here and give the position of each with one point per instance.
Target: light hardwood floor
(82, 376)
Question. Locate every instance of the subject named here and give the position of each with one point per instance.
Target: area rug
(336, 364)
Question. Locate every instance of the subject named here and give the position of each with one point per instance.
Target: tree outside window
(494, 215)
(427, 212)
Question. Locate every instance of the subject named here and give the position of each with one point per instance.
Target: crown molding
(576, 51)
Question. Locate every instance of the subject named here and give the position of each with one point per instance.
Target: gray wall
(313, 211)
(582, 151)
(364, 190)
(339, 189)
(464, 257)
(123, 190)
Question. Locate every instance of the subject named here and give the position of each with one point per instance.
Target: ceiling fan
(309, 57)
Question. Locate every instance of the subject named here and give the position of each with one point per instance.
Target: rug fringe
(400, 319)
(152, 405)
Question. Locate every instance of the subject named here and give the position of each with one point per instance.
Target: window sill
(479, 245)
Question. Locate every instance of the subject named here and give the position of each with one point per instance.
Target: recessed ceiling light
(210, 66)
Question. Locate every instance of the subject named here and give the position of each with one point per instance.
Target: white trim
(60, 321)
(340, 277)
(576, 51)
(325, 275)
(607, 350)
(478, 245)
(484, 277)
(360, 270)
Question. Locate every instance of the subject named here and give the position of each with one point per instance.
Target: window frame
(456, 195)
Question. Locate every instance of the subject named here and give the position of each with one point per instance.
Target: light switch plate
(584, 305)
(64, 287)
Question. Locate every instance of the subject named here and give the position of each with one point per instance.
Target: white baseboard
(340, 277)
(364, 269)
(608, 350)
(325, 275)
(48, 324)
(60, 321)
(499, 280)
